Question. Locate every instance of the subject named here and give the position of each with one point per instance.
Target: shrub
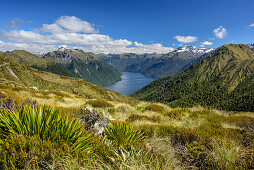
(99, 103)
(135, 117)
(155, 108)
(177, 113)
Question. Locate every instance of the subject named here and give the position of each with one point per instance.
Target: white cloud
(206, 43)
(186, 39)
(73, 32)
(220, 32)
(51, 28)
(251, 25)
(75, 24)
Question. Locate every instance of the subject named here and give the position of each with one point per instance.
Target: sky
(122, 26)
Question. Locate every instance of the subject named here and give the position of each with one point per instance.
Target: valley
(181, 121)
(155, 64)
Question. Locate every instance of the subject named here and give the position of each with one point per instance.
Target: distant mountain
(72, 63)
(17, 75)
(29, 59)
(155, 65)
(250, 45)
(224, 79)
(86, 65)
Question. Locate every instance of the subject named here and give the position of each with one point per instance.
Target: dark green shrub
(135, 117)
(99, 103)
(196, 149)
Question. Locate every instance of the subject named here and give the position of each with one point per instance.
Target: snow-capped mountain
(250, 45)
(192, 49)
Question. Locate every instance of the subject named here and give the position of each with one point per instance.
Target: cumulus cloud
(251, 25)
(203, 44)
(72, 32)
(220, 32)
(186, 39)
(69, 24)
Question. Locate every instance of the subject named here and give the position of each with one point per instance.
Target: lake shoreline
(131, 82)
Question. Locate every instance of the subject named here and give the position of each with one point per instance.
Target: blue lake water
(130, 83)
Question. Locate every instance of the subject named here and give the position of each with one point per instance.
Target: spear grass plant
(48, 124)
(123, 134)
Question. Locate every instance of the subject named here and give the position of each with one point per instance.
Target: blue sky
(118, 26)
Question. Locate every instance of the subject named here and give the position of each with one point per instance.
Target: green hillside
(86, 65)
(29, 59)
(224, 80)
(15, 74)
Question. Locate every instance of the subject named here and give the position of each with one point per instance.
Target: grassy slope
(223, 80)
(29, 77)
(29, 59)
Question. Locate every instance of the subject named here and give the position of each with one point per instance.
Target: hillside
(224, 79)
(29, 59)
(17, 75)
(156, 65)
(86, 65)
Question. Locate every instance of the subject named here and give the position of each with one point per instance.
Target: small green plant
(111, 110)
(196, 149)
(99, 103)
(226, 153)
(122, 134)
(48, 124)
(141, 108)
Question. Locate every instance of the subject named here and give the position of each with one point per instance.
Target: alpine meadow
(194, 62)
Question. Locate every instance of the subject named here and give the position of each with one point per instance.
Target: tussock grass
(99, 103)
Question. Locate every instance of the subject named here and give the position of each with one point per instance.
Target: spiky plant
(48, 124)
(122, 134)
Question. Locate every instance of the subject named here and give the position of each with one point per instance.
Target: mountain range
(72, 63)
(224, 80)
(14, 74)
(156, 65)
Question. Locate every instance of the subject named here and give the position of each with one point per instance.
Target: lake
(130, 83)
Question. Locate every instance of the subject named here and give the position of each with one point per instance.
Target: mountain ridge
(217, 80)
(154, 64)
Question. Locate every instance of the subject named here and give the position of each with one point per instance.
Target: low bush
(155, 108)
(99, 103)
(137, 117)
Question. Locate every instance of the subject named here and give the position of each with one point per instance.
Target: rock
(94, 121)
(34, 88)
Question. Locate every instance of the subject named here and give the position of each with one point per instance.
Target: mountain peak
(192, 49)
